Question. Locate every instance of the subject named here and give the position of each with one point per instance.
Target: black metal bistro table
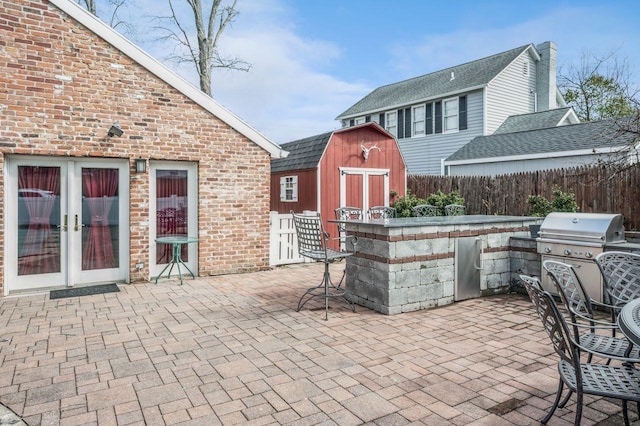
(176, 256)
(629, 321)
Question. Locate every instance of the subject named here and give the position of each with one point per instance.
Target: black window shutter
(352, 122)
(400, 124)
(462, 113)
(407, 122)
(367, 119)
(381, 119)
(438, 117)
(428, 115)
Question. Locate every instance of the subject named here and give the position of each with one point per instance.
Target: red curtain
(171, 210)
(100, 190)
(38, 191)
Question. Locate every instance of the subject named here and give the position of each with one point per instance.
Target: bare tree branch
(206, 57)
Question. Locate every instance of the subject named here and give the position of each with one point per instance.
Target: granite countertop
(403, 222)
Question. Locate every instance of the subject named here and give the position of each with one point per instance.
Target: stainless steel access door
(468, 264)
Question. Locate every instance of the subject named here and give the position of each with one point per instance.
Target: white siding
(509, 167)
(423, 155)
(512, 92)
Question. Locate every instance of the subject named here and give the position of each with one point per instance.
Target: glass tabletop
(176, 239)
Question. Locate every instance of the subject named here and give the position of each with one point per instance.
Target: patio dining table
(629, 321)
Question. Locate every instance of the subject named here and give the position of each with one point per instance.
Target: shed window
(289, 188)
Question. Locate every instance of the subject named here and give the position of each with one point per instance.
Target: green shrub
(440, 199)
(562, 202)
(403, 205)
(539, 206)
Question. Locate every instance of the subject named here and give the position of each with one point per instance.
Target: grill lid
(597, 228)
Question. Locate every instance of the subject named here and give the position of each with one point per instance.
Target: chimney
(546, 76)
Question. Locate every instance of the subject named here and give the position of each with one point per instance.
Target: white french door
(173, 205)
(66, 222)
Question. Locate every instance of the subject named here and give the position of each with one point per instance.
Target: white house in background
(436, 114)
(522, 145)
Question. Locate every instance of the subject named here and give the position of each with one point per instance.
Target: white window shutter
(294, 189)
(283, 188)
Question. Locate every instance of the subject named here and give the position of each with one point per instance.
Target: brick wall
(62, 87)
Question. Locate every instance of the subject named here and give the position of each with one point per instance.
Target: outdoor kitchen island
(408, 264)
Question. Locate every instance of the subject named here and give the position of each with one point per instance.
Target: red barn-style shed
(358, 166)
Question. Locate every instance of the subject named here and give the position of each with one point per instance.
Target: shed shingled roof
(471, 74)
(303, 153)
(572, 137)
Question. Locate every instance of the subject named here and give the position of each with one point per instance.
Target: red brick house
(357, 166)
(103, 149)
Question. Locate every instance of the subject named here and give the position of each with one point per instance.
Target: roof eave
(536, 156)
(165, 74)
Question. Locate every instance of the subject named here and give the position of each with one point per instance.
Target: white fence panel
(284, 243)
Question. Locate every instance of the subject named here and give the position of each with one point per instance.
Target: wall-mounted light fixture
(141, 165)
(115, 130)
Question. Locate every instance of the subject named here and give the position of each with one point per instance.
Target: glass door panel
(38, 240)
(172, 217)
(100, 220)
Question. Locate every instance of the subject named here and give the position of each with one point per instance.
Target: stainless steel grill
(577, 238)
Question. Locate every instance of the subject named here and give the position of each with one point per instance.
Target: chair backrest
(621, 276)
(552, 320)
(312, 239)
(570, 288)
(422, 210)
(381, 212)
(347, 213)
(454, 210)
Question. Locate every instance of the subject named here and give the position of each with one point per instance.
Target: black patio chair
(422, 210)
(381, 212)
(621, 278)
(587, 329)
(313, 242)
(616, 382)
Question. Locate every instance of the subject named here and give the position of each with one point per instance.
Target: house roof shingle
(471, 74)
(572, 137)
(533, 121)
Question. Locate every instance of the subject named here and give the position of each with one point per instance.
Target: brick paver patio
(232, 350)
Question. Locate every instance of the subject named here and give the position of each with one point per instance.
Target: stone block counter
(408, 264)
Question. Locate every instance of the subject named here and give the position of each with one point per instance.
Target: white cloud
(295, 87)
(286, 95)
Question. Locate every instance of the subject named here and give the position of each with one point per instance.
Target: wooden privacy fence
(598, 189)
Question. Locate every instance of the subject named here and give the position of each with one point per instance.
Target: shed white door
(364, 188)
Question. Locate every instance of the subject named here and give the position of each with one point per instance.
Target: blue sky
(313, 59)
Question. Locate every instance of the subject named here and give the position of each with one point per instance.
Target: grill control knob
(547, 249)
(567, 252)
(588, 254)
